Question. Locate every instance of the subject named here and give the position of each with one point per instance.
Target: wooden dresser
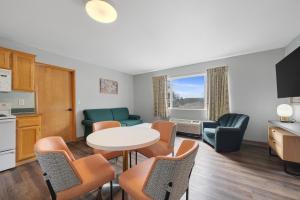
(284, 139)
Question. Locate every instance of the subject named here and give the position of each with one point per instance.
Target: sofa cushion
(98, 114)
(120, 114)
(210, 132)
(131, 122)
(209, 140)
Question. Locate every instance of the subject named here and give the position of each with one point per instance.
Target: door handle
(70, 109)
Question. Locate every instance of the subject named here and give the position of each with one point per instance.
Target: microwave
(5, 80)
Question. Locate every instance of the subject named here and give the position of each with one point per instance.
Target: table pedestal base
(125, 160)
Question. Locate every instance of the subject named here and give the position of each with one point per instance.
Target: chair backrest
(56, 159)
(170, 175)
(105, 124)
(234, 120)
(167, 131)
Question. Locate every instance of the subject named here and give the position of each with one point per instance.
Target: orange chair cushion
(94, 171)
(108, 154)
(133, 180)
(160, 148)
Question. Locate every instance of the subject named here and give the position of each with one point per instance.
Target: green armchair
(226, 134)
(114, 114)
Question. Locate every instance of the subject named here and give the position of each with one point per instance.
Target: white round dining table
(123, 139)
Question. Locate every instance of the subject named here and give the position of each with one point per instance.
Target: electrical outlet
(21, 102)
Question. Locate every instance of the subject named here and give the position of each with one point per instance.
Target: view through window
(187, 92)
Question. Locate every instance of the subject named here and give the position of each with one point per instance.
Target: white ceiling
(152, 34)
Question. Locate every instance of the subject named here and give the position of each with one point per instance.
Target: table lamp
(284, 111)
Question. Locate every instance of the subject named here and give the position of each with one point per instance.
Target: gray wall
(87, 81)
(291, 47)
(252, 85)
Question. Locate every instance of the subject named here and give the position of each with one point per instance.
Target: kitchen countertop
(23, 111)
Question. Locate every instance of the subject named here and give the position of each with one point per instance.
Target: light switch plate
(21, 102)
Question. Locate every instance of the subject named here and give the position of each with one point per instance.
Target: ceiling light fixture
(101, 11)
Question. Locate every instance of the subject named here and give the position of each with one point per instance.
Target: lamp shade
(284, 110)
(101, 11)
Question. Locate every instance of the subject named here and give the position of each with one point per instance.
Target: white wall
(87, 81)
(291, 47)
(252, 85)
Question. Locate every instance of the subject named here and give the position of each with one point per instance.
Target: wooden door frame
(73, 86)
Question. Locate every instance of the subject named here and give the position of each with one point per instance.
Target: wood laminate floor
(247, 174)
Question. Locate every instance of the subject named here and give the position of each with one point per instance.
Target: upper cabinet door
(5, 59)
(23, 66)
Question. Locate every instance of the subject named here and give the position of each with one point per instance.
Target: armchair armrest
(228, 130)
(228, 139)
(134, 117)
(210, 124)
(87, 122)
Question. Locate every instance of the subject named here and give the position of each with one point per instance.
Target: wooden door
(5, 58)
(26, 139)
(23, 71)
(55, 90)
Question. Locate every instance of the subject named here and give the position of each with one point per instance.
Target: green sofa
(108, 114)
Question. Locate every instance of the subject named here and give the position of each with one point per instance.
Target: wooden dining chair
(67, 177)
(161, 177)
(165, 145)
(104, 125)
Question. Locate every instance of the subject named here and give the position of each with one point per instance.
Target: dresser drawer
(276, 134)
(285, 144)
(278, 148)
(26, 121)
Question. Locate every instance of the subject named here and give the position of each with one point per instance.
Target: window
(187, 92)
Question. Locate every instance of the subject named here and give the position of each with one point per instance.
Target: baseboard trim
(22, 162)
(189, 135)
(80, 138)
(255, 143)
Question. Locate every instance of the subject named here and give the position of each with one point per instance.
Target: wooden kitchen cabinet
(27, 137)
(5, 58)
(23, 66)
(28, 133)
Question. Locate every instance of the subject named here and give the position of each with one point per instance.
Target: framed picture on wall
(108, 86)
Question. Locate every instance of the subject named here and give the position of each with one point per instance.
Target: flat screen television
(288, 75)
